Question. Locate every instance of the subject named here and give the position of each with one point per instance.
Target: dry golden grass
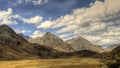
(52, 63)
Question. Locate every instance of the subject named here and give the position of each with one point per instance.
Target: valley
(53, 63)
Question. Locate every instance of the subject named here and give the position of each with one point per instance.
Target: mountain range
(71, 45)
(52, 41)
(14, 46)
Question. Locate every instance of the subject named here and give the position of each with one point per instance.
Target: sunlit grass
(49, 63)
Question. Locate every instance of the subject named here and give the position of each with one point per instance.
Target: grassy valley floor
(53, 63)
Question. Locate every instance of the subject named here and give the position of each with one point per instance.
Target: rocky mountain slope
(116, 52)
(52, 41)
(14, 46)
(79, 43)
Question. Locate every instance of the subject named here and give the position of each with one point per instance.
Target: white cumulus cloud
(39, 2)
(37, 33)
(6, 17)
(35, 2)
(45, 25)
(32, 20)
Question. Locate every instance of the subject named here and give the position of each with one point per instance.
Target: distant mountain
(74, 44)
(112, 47)
(52, 41)
(34, 40)
(79, 43)
(24, 36)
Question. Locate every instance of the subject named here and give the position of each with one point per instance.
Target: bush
(114, 64)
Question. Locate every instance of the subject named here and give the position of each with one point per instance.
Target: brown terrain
(53, 63)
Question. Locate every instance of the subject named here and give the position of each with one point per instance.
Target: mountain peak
(48, 33)
(80, 43)
(4, 28)
(79, 39)
(53, 41)
(50, 36)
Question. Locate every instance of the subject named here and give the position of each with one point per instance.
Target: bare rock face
(80, 43)
(110, 48)
(52, 41)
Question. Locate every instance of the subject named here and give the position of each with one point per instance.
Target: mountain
(24, 36)
(14, 46)
(112, 47)
(74, 44)
(111, 58)
(79, 43)
(116, 51)
(52, 41)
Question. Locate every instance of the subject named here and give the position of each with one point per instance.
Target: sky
(96, 20)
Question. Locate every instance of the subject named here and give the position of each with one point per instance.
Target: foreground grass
(52, 63)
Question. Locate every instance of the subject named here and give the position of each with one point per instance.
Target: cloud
(35, 2)
(20, 1)
(22, 31)
(45, 25)
(68, 28)
(98, 26)
(6, 17)
(39, 2)
(32, 20)
(37, 33)
(93, 22)
(28, 1)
